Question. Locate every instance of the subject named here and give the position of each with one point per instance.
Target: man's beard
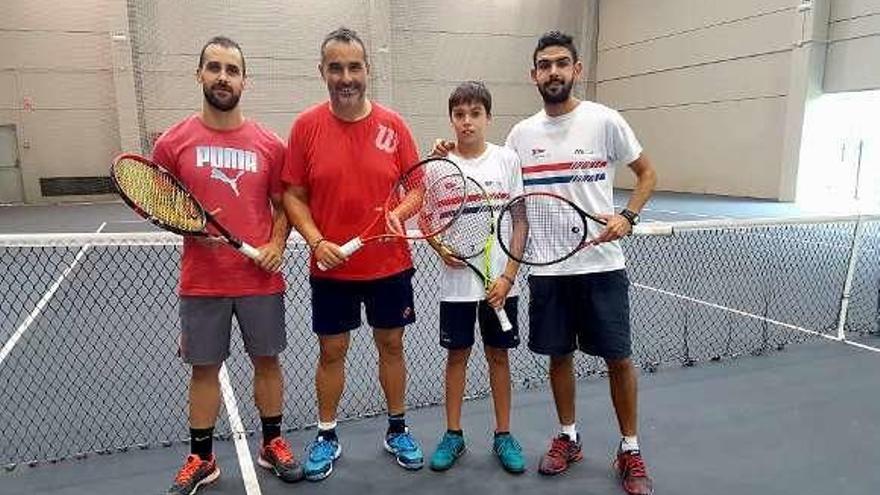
(222, 105)
(558, 97)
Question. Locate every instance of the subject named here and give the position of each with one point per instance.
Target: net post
(850, 275)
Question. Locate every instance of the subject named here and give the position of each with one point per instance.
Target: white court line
(16, 336)
(245, 462)
(833, 338)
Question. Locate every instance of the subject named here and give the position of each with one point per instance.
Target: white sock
(629, 443)
(570, 430)
(326, 426)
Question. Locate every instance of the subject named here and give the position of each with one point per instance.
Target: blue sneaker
(509, 452)
(320, 455)
(450, 448)
(405, 449)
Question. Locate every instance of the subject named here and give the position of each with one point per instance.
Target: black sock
(271, 428)
(456, 432)
(328, 435)
(501, 433)
(201, 442)
(396, 424)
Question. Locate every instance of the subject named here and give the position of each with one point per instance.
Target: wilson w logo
(386, 139)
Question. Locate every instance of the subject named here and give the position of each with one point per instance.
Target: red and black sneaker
(633, 473)
(563, 451)
(277, 457)
(194, 474)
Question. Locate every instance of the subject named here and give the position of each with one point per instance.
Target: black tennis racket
(552, 228)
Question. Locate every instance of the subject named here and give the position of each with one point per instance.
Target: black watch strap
(631, 216)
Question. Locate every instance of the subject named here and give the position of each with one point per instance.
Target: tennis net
(88, 325)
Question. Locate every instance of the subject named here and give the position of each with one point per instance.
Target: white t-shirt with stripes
(575, 156)
(498, 171)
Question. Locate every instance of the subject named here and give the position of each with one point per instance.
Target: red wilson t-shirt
(349, 169)
(237, 171)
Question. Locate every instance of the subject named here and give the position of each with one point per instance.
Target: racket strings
(554, 229)
(158, 195)
(442, 192)
(468, 235)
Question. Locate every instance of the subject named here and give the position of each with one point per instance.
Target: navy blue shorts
(336, 304)
(589, 312)
(457, 324)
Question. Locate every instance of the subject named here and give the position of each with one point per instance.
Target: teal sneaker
(450, 448)
(320, 455)
(405, 449)
(509, 452)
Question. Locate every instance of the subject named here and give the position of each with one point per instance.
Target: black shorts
(457, 324)
(336, 304)
(589, 312)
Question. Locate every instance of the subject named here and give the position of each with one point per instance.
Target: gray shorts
(206, 325)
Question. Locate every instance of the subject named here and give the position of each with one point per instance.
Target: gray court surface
(798, 420)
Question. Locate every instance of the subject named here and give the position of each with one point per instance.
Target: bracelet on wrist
(317, 243)
(506, 277)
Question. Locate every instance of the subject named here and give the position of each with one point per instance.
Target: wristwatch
(630, 216)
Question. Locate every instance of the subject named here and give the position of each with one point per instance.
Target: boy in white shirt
(465, 299)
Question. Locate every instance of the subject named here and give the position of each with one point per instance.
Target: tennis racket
(555, 228)
(156, 195)
(471, 239)
(432, 192)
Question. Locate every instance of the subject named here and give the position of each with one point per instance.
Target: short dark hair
(555, 38)
(225, 42)
(343, 35)
(471, 92)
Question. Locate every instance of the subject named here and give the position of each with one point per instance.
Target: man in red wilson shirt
(343, 157)
(233, 165)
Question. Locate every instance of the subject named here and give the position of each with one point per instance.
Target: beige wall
(57, 55)
(80, 64)
(704, 84)
(854, 46)
(437, 45)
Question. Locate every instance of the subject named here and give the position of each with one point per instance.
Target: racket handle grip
(347, 249)
(503, 320)
(249, 251)
(351, 246)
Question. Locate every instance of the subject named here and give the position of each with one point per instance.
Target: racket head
(157, 196)
(469, 235)
(542, 228)
(432, 193)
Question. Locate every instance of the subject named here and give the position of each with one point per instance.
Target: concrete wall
(704, 84)
(110, 75)
(56, 87)
(854, 46)
(437, 45)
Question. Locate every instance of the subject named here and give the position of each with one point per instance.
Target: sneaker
(563, 451)
(320, 455)
(194, 474)
(450, 448)
(277, 457)
(509, 452)
(633, 473)
(405, 449)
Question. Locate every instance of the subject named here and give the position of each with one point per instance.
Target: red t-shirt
(349, 169)
(237, 171)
